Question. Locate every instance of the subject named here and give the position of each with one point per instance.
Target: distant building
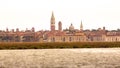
(81, 26)
(52, 22)
(60, 26)
(60, 35)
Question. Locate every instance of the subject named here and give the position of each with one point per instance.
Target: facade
(60, 35)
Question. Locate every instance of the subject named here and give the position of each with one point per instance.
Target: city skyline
(58, 35)
(27, 14)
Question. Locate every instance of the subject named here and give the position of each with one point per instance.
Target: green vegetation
(33, 45)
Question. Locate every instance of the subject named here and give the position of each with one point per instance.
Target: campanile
(52, 22)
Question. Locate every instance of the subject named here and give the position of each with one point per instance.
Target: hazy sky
(24, 14)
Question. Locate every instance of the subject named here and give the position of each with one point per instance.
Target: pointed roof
(81, 25)
(52, 15)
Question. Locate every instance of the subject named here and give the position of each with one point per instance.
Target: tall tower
(17, 29)
(81, 26)
(33, 29)
(52, 22)
(7, 30)
(60, 26)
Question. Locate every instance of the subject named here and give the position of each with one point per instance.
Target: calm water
(61, 58)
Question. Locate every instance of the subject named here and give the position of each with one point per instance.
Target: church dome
(71, 27)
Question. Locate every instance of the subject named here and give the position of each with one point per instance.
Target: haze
(24, 14)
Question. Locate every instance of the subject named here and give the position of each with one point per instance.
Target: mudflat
(61, 58)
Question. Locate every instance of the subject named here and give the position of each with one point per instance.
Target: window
(53, 39)
(70, 39)
(64, 39)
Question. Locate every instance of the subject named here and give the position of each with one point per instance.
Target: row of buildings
(66, 35)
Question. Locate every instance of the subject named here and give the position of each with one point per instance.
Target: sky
(94, 14)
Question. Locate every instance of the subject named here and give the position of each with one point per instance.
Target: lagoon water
(61, 58)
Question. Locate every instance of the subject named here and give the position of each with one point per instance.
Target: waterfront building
(60, 35)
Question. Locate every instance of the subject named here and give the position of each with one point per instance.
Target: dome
(71, 27)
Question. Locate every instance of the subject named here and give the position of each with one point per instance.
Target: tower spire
(52, 22)
(52, 15)
(81, 26)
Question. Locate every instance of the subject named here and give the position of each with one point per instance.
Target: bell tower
(81, 26)
(52, 22)
(60, 26)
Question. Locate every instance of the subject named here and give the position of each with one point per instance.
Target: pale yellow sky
(24, 14)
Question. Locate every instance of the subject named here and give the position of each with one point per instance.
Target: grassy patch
(33, 45)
